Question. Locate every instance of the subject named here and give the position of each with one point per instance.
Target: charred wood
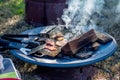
(74, 45)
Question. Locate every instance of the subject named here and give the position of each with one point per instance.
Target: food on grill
(47, 52)
(57, 35)
(61, 42)
(51, 48)
(80, 47)
(60, 38)
(50, 42)
(50, 45)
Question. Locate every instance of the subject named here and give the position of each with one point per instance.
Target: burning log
(74, 45)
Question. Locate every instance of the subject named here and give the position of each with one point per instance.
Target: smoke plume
(78, 17)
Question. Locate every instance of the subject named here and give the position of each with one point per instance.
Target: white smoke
(77, 16)
(118, 7)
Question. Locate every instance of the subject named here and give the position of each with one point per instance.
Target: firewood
(102, 38)
(74, 45)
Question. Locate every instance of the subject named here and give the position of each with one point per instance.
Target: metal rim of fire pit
(104, 52)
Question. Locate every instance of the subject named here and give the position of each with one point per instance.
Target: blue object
(9, 70)
(104, 52)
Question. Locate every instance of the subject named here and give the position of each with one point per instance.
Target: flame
(77, 17)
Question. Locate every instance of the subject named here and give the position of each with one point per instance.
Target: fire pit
(105, 51)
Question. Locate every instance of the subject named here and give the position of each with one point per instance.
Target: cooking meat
(50, 45)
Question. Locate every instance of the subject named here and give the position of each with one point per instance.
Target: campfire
(60, 42)
(78, 36)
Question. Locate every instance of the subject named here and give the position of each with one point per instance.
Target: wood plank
(74, 45)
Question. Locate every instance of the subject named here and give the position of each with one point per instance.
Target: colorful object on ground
(9, 79)
(8, 75)
(9, 72)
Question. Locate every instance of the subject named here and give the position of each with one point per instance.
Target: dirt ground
(108, 69)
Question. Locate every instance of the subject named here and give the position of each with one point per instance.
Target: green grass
(9, 8)
(8, 75)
